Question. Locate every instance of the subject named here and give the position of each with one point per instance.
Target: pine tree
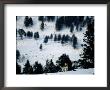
(88, 50)
(17, 54)
(16, 32)
(50, 18)
(55, 37)
(40, 47)
(42, 25)
(28, 21)
(64, 59)
(71, 28)
(68, 21)
(59, 23)
(18, 68)
(46, 39)
(75, 42)
(59, 37)
(21, 33)
(66, 38)
(41, 18)
(37, 68)
(50, 67)
(51, 36)
(63, 39)
(36, 35)
(27, 68)
(29, 34)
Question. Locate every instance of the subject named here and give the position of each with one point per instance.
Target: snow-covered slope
(29, 48)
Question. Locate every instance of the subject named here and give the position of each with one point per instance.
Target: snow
(29, 48)
(78, 71)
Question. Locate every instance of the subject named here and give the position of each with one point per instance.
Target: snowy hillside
(29, 47)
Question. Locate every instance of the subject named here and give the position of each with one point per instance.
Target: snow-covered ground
(29, 48)
(78, 71)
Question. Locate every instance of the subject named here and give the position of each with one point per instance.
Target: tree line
(62, 62)
(61, 22)
(50, 67)
(63, 39)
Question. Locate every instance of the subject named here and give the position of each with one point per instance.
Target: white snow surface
(78, 71)
(29, 48)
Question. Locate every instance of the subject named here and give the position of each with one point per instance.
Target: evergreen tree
(55, 37)
(36, 35)
(51, 36)
(75, 42)
(41, 18)
(16, 32)
(28, 21)
(71, 28)
(29, 34)
(17, 54)
(63, 39)
(46, 39)
(81, 20)
(88, 50)
(42, 25)
(50, 18)
(64, 59)
(68, 21)
(18, 68)
(59, 37)
(40, 47)
(50, 67)
(16, 18)
(21, 33)
(37, 68)
(25, 34)
(59, 23)
(66, 38)
(27, 68)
